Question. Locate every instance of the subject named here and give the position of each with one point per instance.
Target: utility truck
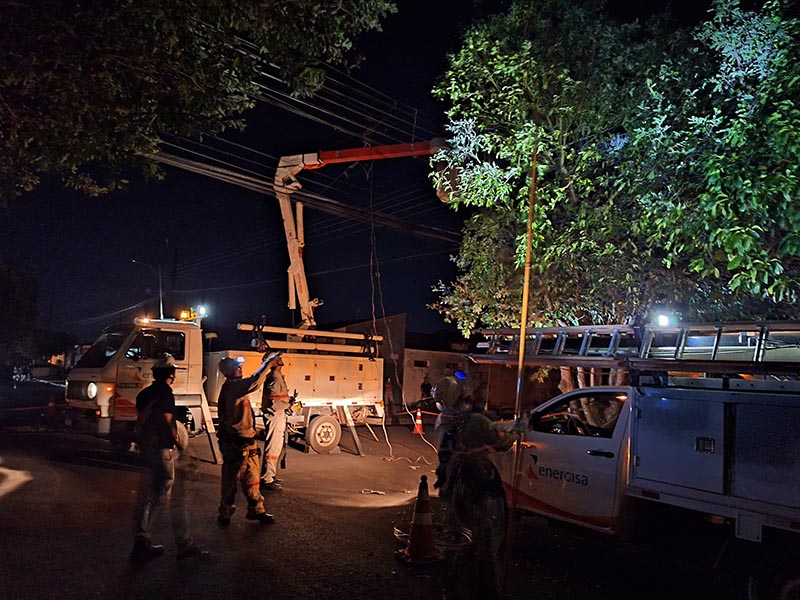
(700, 418)
(340, 387)
(337, 375)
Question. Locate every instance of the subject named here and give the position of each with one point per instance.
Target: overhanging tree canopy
(668, 165)
(714, 164)
(561, 78)
(87, 88)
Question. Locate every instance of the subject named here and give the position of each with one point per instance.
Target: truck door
(135, 367)
(573, 456)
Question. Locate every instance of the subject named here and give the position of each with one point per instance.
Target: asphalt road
(66, 505)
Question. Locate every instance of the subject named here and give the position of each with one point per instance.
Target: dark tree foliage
(87, 89)
(18, 295)
(668, 164)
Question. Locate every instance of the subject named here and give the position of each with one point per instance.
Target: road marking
(12, 479)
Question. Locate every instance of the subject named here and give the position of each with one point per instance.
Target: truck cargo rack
(755, 348)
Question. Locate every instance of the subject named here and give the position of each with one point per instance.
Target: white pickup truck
(724, 446)
(732, 453)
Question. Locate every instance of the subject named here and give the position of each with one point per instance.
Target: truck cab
(574, 458)
(101, 389)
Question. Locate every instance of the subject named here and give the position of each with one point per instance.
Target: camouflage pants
(241, 463)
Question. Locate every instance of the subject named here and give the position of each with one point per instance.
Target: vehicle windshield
(105, 347)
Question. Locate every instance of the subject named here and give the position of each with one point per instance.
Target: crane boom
(286, 183)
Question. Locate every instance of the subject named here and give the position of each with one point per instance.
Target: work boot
(144, 550)
(223, 520)
(191, 551)
(263, 518)
(272, 486)
(225, 514)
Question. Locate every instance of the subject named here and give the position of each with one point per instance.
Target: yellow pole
(523, 327)
(526, 286)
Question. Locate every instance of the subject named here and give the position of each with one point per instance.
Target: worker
(388, 391)
(464, 427)
(425, 388)
(237, 441)
(425, 392)
(158, 433)
(468, 478)
(275, 406)
(447, 393)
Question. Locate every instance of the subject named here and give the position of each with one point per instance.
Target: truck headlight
(91, 390)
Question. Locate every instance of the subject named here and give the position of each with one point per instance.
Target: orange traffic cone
(421, 549)
(418, 424)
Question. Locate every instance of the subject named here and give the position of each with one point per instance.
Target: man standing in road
(274, 406)
(425, 391)
(237, 441)
(158, 434)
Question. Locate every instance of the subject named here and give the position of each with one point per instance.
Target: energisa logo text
(559, 475)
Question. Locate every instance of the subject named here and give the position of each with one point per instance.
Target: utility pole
(160, 289)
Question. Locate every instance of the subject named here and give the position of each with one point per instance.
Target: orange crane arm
(328, 157)
(286, 183)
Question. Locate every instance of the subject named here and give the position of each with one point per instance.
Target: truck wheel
(790, 587)
(782, 582)
(785, 584)
(323, 434)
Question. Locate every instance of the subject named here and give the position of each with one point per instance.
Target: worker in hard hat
(237, 441)
(467, 477)
(275, 405)
(449, 394)
(464, 426)
(162, 442)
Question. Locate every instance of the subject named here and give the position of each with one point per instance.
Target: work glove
(520, 425)
(268, 358)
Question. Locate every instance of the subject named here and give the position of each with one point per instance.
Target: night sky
(224, 247)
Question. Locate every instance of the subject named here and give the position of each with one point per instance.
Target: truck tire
(323, 434)
(783, 585)
(789, 586)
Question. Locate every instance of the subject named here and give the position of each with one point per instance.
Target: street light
(160, 293)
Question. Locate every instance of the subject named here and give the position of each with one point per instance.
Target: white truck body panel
(559, 478)
(320, 380)
(731, 453)
(668, 434)
(768, 457)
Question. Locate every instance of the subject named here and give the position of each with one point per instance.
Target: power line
(317, 201)
(347, 106)
(396, 259)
